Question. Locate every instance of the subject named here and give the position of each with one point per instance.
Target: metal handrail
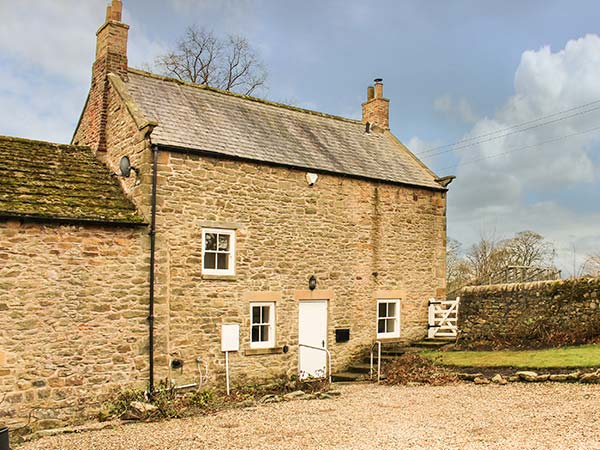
(378, 361)
(328, 357)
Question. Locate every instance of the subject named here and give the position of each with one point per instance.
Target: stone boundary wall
(531, 314)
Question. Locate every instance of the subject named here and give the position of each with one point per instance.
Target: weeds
(167, 403)
(412, 368)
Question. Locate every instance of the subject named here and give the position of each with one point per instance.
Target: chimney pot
(370, 93)
(115, 11)
(378, 88)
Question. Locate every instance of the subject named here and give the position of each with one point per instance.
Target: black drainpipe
(152, 234)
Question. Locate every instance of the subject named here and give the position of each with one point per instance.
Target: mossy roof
(197, 117)
(42, 180)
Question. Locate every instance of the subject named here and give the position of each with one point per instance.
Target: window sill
(263, 351)
(219, 277)
(389, 339)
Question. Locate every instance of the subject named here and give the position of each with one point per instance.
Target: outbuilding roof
(195, 117)
(42, 180)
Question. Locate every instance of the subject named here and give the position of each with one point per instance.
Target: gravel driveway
(465, 416)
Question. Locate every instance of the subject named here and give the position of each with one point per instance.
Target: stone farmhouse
(305, 230)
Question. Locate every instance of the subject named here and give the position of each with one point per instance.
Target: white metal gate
(443, 318)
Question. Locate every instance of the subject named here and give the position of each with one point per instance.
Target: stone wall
(362, 240)
(531, 314)
(73, 308)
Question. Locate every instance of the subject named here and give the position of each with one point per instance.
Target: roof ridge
(242, 96)
(36, 141)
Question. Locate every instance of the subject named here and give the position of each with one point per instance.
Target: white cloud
(460, 108)
(55, 37)
(38, 107)
(47, 49)
(544, 187)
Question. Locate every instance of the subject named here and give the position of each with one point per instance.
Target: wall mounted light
(311, 178)
(312, 282)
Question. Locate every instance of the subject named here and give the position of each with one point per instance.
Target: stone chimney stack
(376, 110)
(111, 42)
(111, 57)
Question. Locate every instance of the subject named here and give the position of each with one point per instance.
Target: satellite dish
(125, 167)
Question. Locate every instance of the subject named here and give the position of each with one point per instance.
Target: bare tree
(528, 248)
(592, 265)
(458, 270)
(230, 64)
(486, 257)
(490, 259)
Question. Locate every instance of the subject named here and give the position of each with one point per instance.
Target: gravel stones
(515, 416)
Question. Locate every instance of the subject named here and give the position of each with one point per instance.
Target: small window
(262, 325)
(388, 318)
(218, 252)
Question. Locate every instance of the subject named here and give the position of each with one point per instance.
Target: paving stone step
(384, 358)
(432, 343)
(349, 377)
(363, 367)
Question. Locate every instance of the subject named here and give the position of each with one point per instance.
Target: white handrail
(328, 357)
(378, 361)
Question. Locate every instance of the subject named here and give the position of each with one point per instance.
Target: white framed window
(388, 318)
(262, 324)
(218, 251)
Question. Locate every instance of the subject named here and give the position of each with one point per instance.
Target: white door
(312, 330)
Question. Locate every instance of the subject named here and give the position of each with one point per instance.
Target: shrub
(412, 368)
(170, 403)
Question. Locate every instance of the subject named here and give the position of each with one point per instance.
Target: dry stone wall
(362, 240)
(531, 314)
(73, 308)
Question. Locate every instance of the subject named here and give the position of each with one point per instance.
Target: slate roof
(196, 117)
(41, 180)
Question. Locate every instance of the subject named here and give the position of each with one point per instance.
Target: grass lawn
(583, 356)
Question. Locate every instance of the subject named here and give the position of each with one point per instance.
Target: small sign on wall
(230, 338)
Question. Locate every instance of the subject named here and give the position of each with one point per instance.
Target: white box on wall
(230, 338)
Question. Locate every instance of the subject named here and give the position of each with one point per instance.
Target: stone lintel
(317, 294)
(218, 224)
(262, 296)
(391, 293)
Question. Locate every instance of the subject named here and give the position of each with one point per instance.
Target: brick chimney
(376, 110)
(111, 57)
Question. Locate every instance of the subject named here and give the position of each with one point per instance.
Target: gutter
(152, 234)
(71, 221)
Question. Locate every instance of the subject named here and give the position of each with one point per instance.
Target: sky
(462, 71)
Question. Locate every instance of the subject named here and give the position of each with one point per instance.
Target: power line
(514, 150)
(430, 153)
(483, 141)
